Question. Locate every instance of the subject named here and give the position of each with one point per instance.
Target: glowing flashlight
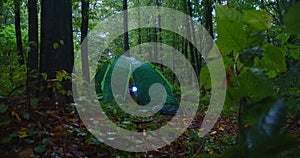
(134, 89)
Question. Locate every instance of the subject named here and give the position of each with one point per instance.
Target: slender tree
(197, 54)
(139, 29)
(17, 5)
(208, 17)
(32, 59)
(84, 40)
(33, 34)
(125, 23)
(194, 55)
(158, 30)
(57, 52)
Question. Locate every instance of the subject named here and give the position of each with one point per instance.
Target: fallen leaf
(213, 133)
(22, 134)
(16, 115)
(221, 128)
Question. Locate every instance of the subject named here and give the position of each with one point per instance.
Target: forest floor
(56, 130)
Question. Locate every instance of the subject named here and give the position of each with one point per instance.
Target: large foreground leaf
(269, 122)
(264, 137)
(229, 14)
(255, 84)
(231, 36)
(258, 19)
(274, 58)
(292, 20)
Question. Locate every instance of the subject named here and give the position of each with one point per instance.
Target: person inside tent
(133, 90)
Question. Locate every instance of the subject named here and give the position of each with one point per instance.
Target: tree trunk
(158, 4)
(139, 30)
(208, 17)
(32, 60)
(158, 31)
(17, 4)
(84, 32)
(33, 35)
(57, 52)
(193, 50)
(125, 23)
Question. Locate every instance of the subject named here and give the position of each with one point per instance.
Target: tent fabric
(142, 78)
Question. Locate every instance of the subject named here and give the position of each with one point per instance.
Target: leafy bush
(12, 74)
(265, 76)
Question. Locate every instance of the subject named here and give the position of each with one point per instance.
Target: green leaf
(233, 96)
(292, 20)
(55, 45)
(228, 14)
(34, 102)
(29, 141)
(269, 122)
(14, 134)
(61, 42)
(39, 149)
(3, 108)
(274, 58)
(258, 19)
(255, 84)
(61, 75)
(45, 76)
(283, 37)
(228, 61)
(295, 54)
(264, 137)
(26, 115)
(231, 36)
(255, 39)
(47, 140)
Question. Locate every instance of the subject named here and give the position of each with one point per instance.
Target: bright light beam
(134, 89)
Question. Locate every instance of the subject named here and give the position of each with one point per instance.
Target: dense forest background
(259, 42)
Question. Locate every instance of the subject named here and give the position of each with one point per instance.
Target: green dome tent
(140, 75)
